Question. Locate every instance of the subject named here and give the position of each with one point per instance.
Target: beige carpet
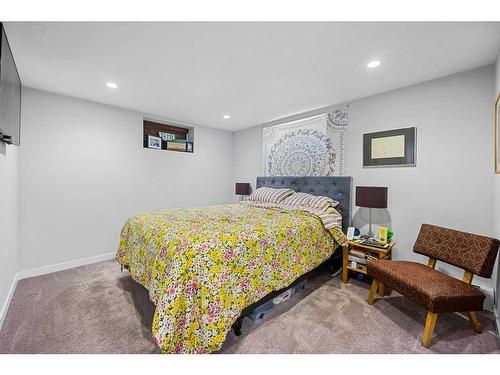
(97, 309)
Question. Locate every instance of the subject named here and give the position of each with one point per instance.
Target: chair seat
(427, 287)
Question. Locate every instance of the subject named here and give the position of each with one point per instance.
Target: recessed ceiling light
(373, 64)
(111, 85)
(226, 117)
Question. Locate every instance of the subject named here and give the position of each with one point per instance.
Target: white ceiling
(255, 72)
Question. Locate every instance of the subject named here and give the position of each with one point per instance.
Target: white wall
(247, 156)
(8, 221)
(83, 171)
(452, 184)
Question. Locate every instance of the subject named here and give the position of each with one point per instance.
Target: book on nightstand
(356, 259)
(374, 243)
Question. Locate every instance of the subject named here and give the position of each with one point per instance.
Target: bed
(204, 267)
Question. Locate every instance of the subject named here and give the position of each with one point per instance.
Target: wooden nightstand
(381, 253)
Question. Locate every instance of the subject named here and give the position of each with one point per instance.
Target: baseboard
(63, 266)
(489, 292)
(48, 269)
(6, 304)
(497, 324)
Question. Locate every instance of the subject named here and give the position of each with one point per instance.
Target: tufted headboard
(338, 188)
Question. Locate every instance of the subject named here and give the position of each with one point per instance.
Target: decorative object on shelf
(350, 233)
(166, 136)
(241, 189)
(154, 142)
(497, 135)
(382, 235)
(390, 233)
(371, 197)
(390, 148)
(313, 146)
(353, 233)
(189, 147)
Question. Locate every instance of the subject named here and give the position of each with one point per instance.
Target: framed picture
(154, 142)
(189, 147)
(176, 146)
(390, 148)
(497, 135)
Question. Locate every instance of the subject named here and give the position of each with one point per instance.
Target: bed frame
(335, 187)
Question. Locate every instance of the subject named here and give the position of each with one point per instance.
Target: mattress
(202, 266)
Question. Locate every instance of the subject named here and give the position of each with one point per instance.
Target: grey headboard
(338, 188)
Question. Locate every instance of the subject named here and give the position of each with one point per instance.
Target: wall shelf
(167, 137)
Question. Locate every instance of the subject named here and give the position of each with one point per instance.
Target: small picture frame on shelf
(176, 146)
(189, 146)
(154, 142)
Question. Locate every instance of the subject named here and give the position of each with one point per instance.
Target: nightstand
(376, 252)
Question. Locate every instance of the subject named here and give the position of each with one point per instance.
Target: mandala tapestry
(309, 147)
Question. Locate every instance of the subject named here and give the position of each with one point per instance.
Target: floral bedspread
(202, 266)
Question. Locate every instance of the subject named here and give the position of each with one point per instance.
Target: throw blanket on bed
(330, 218)
(203, 266)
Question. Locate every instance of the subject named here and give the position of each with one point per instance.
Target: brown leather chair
(431, 289)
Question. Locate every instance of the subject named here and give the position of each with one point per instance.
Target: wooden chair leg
(345, 262)
(430, 323)
(474, 322)
(381, 289)
(373, 290)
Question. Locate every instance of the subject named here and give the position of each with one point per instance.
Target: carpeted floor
(97, 309)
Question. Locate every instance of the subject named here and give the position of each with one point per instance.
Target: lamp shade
(371, 196)
(242, 188)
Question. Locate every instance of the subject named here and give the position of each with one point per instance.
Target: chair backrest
(470, 252)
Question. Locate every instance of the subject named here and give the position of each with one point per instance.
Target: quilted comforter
(202, 266)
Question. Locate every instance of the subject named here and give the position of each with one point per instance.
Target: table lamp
(371, 197)
(242, 188)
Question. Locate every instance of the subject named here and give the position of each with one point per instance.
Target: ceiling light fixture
(226, 117)
(373, 64)
(111, 85)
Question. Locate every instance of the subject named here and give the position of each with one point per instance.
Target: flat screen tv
(10, 95)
